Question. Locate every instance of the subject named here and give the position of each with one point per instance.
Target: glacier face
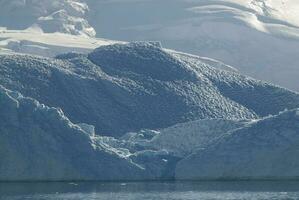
(38, 142)
(136, 111)
(263, 149)
(127, 87)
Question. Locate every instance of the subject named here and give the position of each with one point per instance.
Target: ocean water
(243, 190)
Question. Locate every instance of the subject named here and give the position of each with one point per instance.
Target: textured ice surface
(127, 87)
(38, 142)
(264, 149)
(176, 108)
(183, 139)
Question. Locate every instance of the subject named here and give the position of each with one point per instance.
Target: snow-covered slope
(40, 143)
(128, 87)
(64, 16)
(46, 28)
(285, 12)
(259, 37)
(33, 41)
(209, 61)
(264, 149)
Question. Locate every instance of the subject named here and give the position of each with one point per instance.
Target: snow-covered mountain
(128, 87)
(64, 16)
(33, 41)
(259, 37)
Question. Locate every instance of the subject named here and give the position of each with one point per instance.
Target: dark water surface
(152, 190)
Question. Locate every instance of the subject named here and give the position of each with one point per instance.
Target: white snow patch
(32, 41)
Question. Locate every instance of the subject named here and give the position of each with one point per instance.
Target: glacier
(39, 143)
(122, 88)
(77, 107)
(137, 111)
